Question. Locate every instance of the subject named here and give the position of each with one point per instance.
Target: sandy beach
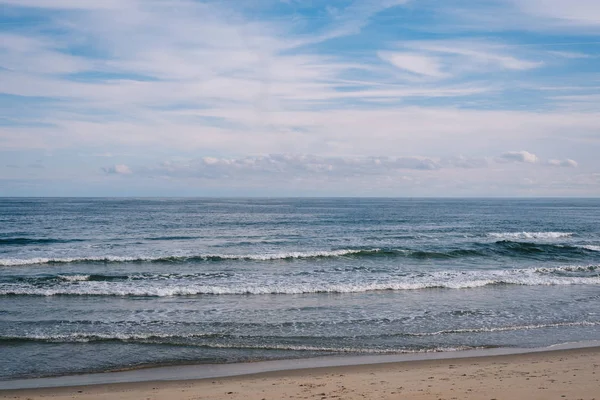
(559, 374)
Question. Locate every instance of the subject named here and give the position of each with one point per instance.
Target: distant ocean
(105, 284)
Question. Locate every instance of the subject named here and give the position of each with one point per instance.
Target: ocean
(92, 285)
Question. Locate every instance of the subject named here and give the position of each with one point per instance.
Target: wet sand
(559, 374)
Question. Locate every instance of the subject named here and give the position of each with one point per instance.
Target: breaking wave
(82, 285)
(530, 235)
(208, 257)
(590, 247)
(502, 247)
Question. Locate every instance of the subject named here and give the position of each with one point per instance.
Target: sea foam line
(7, 262)
(87, 338)
(504, 328)
(82, 337)
(530, 235)
(590, 247)
(289, 285)
(504, 244)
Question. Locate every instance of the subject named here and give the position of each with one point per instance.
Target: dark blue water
(100, 284)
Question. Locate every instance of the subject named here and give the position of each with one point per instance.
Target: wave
(203, 338)
(448, 254)
(49, 279)
(11, 262)
(208, 257)
(509, 247)
(75, 278)
(303, 348)
(288, 285)
(331, 349)
(502, 247)
(28, 241)
(590, 247)
(530, 235)
(174, 338)
(80, 337)
(502, 328)
(180, 237)
(375, 252)
(496, 235)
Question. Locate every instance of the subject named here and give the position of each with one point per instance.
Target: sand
(560, 374)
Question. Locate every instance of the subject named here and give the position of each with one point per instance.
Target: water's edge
(208, 371)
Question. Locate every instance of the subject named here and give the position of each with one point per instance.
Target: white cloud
(290, 166)
(468, 162)
(553, 17)
(587, 101)
(349, 20)
(23, 54)
(476, 52)
(568, 163)
(519, 156)
(592, 98)
(67, 4)
(299, 165)
(302, 174)
(572, 12)
(446, 58)
(161, 84)
(440, 131)
(569, 54)
(211, 160)
(415, 63)
(233, 86)
(118, 169)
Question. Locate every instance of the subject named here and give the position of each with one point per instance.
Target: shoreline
(199, 372)
(571, 373)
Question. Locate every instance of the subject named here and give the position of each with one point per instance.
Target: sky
(397, 98)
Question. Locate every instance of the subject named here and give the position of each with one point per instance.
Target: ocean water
(106, 284)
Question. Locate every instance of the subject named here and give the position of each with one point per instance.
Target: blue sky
(294, 98)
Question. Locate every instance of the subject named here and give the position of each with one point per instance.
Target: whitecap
(530, 235)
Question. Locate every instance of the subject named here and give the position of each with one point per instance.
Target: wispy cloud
(478, 53)
(574, 12)
(182, 79)
(451, 58)
(345, 20)
(415, 63)
(67, 4)
(569, 54)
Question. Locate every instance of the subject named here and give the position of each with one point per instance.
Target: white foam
(590, 247)
(81, 337)
(89, 337)
(530, 235)
(294, 254)
(74, 278)
(566, 268)
(508, 328)
(335, 349)
(267, 284)
(11, 262)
